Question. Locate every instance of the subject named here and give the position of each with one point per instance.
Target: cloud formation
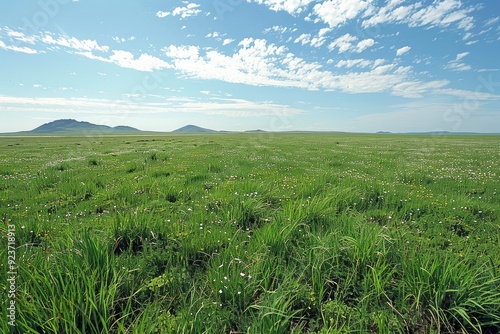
(191, 9)
(337, 12)
(214, 106)
(457, 64)
(346, 43)
(291, 6)
(88, 48)
(259, 63)
(22, 49)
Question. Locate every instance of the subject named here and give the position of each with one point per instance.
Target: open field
(252, 233)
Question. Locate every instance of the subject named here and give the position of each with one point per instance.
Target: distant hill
(71, 127)
(193, 129)
(448, 133)
(125, 128)
(68, 127)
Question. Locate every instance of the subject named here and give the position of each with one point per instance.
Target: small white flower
(242, 274)
(220, 291)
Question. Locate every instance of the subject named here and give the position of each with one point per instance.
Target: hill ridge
(72, 126)
(193, 129)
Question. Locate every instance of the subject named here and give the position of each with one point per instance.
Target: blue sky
(339, 65)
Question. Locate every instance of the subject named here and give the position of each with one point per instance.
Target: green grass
(252, 233)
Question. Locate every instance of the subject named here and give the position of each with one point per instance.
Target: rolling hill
(71, 127)
(193, 129)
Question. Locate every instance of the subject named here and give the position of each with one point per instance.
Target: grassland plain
(252, 233)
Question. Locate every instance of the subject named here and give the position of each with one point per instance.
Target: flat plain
(252, 233)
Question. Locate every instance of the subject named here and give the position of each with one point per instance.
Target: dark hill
(71, 126)
(193, 129)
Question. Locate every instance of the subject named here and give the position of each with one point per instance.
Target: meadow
(252, 233)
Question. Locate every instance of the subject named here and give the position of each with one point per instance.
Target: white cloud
(144, 62)
(337, 12)
(22, 49)
(403, 50)
(184, 12)
(378, 62)
(254, 63)
(19, 36)
(303, 39)
(467, 94)
(492, 21)
(88, 48)
(315, 41)
(227, 41)
(354, 62)
(279, 29)
(416, 89)
(440, 13)
(74, 43)
(390, 13)
(259, 63)
(467, 23)
(212, 34)
(290, 6)
(457, 65)
(122, 39)
(320, 39)
(343, 43)
(489, 70)
(461, 55)
(346, 43)
(118, 39)
(364, 44)
(92, 56)
(161, 14)
(221, 106)
(182, 52)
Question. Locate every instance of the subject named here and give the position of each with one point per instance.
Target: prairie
(252, 233)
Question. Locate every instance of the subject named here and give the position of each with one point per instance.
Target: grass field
(252, 233)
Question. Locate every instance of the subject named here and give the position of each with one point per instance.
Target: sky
(275, 65)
